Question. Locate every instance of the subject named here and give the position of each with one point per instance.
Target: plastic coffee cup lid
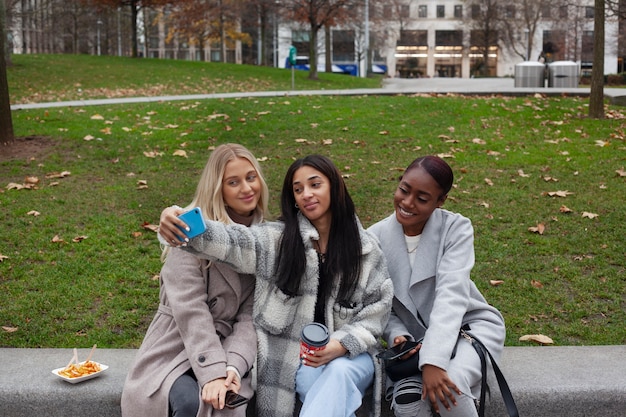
(315, 334)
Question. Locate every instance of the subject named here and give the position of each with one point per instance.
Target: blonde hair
(209, 190)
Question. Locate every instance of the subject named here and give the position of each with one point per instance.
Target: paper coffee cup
(314, 337)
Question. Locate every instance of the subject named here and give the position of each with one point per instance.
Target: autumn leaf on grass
(488, 182)
(383, 132)
(216, 116)
(327, 142)
(149, 226)
(180, 152)
(88, 138)
(565, 209)
(602, 143)
(152, 154)
(9, 329)
(57, 239)
(31, 180)
(78, 239)
(262, 159)
(3, 257)
(538, 338)
(536, 284)
(558, 193)
(521, 173)
(589, 215)
(97, 117)
(496, 282)
(540, 228)
(14, 186)
(33, 213)
(58, 174)
(142, 184)
(621, 172)
(479, 141)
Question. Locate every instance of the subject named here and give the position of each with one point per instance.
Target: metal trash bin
(530, 74)
(563, 74)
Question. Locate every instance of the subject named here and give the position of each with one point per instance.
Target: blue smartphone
(195, 221)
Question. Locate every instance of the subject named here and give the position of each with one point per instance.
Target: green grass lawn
(81, 270)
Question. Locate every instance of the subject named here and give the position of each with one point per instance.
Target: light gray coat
(279, 318)
(204, 322)
(440, 288)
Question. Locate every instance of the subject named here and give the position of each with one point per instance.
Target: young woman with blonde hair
(202, 343)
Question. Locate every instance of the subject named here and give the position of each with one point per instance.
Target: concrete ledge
(572, 381)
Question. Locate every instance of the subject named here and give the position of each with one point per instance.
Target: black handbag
(397, 368)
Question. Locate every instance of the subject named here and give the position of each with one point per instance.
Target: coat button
(201, 359)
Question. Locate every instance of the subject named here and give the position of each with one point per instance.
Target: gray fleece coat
(279, 318)
(440, 291)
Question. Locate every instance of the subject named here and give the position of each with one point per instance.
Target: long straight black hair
(343, 254)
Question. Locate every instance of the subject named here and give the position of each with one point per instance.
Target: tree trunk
(6, 123)
(313, 53)
(328, 62)
(135, 14)
(596, 97)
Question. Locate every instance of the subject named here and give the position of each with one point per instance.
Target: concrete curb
(567, 381)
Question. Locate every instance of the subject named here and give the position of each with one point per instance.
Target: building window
(589, 12)
(546, 11)
(458, 12)
(563, 12)
(509, 12)
(343, 46)
(405, 10)
(441, 11)
(449, 38)
(387, 12)
(475, 11)
(422, 11)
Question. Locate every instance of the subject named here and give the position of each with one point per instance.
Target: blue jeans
(335, 389)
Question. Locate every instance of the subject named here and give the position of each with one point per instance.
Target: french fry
(76, 370)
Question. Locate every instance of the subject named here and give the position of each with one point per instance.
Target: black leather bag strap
(509, 402)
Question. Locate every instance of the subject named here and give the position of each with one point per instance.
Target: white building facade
(440, 38)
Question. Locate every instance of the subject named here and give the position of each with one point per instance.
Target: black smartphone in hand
(235, 400)
(398, 350)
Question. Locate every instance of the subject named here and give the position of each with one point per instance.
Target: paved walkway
(391, 86)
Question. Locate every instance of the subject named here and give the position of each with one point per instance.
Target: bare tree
(485, 25)
(6, 122)
(528, 14)
(596, 95)
(317, 14)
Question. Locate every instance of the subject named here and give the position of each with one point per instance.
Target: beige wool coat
(204, 323)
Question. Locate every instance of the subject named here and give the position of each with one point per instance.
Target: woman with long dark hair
(316, 264)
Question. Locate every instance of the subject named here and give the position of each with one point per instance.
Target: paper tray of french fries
(76, 371)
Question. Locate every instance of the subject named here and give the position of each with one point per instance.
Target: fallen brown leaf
(589, 215)
(536, 284)
(153, 227)
(496, 282)
(57, 239)
(3, 257)
(538, 338)
(559, 193)
(79, 239)
(540, 228)
(9, 329)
